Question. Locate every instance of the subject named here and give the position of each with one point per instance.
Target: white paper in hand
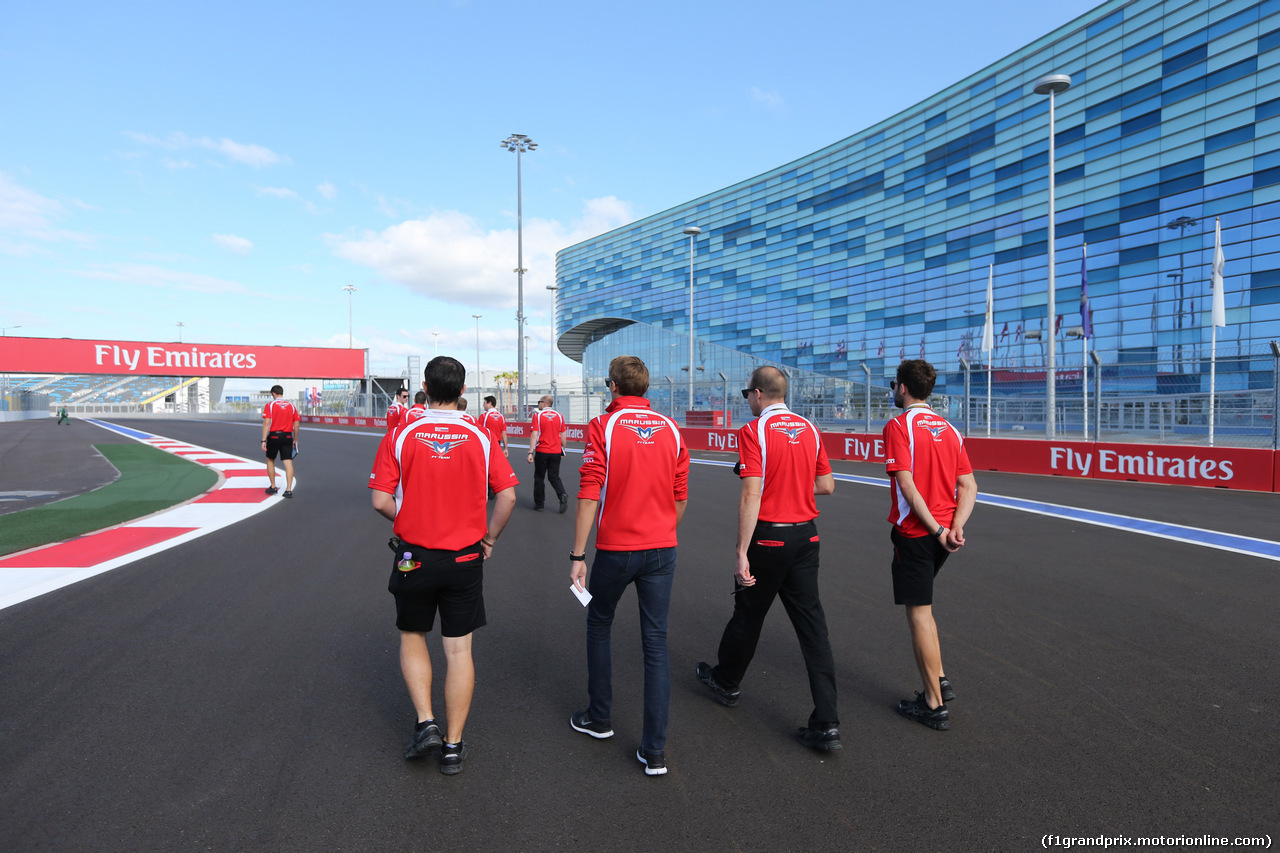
(581, 594)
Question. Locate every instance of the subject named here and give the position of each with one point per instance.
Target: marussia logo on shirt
(441, 444)
(645, 433)
(937, 429)
(793, 432)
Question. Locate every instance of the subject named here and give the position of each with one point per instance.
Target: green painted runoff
(150, 480)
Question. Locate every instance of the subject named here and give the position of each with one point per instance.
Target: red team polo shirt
(641, 450)
(494, 424)
(394, 413)
(549, 425)
(439, 468)
(467, 417)
(922, 442)
(282, 415)
(786, 452)
(412, 414)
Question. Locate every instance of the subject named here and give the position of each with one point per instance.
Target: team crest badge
(937, 430)
(441, 446)
(792, 431)
(645, 433)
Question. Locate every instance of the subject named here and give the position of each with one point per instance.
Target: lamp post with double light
(518, 144)
(350, 289)
(1051, 85)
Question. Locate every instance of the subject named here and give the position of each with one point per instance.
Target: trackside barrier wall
(1246, 468)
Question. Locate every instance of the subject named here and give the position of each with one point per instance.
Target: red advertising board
(140, 358)
(1245, 468)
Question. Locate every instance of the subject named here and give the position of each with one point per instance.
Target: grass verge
(150, 480)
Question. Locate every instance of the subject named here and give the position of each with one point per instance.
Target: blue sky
(233, 166)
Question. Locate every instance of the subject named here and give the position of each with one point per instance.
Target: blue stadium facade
(878, 247)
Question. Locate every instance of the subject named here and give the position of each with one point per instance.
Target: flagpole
(1218, 318)
(988, 338)
(1086, 326)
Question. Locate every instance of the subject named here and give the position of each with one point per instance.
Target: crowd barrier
(1246, 468)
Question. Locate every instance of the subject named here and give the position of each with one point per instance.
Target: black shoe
(823, 740)
(425, 740)
(727, 698)
(288, 493)
(655, 763)
(451, 758)
(271, 490)
(537, 507)
(944, 687)
(582, 722)
(918, 709)
(564, 503)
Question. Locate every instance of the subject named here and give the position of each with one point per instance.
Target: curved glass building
(879, 247)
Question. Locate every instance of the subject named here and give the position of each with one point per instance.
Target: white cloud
(449, 257)
(278, 192)
(170, 163)
(770, 100)
(232, 243)
(27, 216)
(148, 275)
(327, 190)
(249, 154)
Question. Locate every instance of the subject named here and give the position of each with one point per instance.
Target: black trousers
(784, 562)
(548, 465)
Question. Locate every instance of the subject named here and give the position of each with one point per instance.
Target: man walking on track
(782, 465)
(279, 437)
(635, 473)
(545, 452)
(395, 412)
(431, 480)
(417, 410)
(931, 496)
(494, 423)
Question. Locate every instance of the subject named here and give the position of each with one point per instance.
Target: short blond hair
(630, 375)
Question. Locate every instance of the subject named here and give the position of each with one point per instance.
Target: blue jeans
(652, 572)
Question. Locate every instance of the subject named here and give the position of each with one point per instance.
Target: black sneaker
(425, 740)
(271, 490)
(918, 709)
(944, 687)
(823, 740)
(655, 763)
(582, 722)
(537, 508)
(451, 758)
(727, 698)
(564, 503)
(288, 493)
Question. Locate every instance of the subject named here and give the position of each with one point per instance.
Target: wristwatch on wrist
(938, 532)
(578, 558)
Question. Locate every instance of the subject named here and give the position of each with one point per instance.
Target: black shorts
(451, 581)
(281, 443)
(916, 562)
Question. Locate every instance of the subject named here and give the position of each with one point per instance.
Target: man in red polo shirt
(417, 410)
(634, 482)
(431, 478)
(494, 423)
(545, 452)
(279, 435)
(782, 464)
(397, 409)
(931, 496)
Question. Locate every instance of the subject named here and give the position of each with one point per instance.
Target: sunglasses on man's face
(746, 392)
(893, 384)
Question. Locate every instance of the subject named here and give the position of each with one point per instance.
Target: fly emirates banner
(139, 358)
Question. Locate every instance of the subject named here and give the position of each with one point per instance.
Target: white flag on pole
(988, 329)
(1219, 298)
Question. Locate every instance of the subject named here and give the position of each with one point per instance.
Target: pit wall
(1245, 468)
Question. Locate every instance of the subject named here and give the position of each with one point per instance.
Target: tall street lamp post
(350, 289)
(479, 405)
(437, 337)
(693, 231)
(555, 293)
(519, 144)
(1051, 85)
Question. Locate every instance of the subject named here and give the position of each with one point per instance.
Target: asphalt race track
(241, 692)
